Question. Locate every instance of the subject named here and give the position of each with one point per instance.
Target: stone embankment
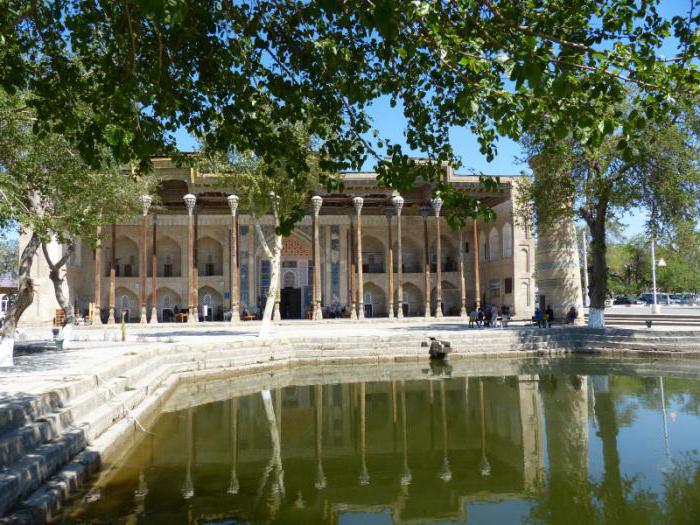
(52, 441)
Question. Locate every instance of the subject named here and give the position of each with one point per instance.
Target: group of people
(544, 319)
(489, 316)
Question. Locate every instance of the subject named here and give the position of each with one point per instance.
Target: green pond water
(497, 441)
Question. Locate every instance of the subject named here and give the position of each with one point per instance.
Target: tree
(497, 67)
(264, 184)
(657, 170)
(48, 191)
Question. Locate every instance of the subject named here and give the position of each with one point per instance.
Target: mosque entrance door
(290, 303)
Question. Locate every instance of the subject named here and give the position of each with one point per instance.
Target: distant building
(8, 289)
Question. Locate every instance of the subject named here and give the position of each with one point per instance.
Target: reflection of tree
(568, 497)
(682, 487)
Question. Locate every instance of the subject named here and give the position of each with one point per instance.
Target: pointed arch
(210, 256)
(169, 256)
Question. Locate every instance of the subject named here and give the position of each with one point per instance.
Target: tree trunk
(63, 301)
(275, 257)
(25, 296)
(599, 273)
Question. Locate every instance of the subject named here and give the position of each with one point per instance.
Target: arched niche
(169, 256)
(413, 300)
(126, 305)
(376, 297)
(214, 300)
(210, 257)
(126, 258)
(373, 255)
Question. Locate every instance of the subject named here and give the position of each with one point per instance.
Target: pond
(565, 440)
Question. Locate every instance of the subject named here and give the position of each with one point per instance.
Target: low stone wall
(53, 442)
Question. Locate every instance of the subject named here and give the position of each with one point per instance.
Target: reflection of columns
(406, 475)
(397, 201)
(426, 261)
(477, 276)
(190, 201)
(113, 276)
(317, 315)
(318, 420)
(188, 487)
(364, 474)
(357, 203)
(235, 284)
(353, 290)
(437, 204)
(97, 317)
(233, 485)
(445, 472)
(531, 420)
(484, 465)
(389, 263)
(462, 288)
(143, 260)
(667, 447)
(154, 274)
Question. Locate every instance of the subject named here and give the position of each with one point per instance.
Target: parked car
(626, 300)
(661, 298)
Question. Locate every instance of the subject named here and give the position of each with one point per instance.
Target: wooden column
(317, 314)
(425, 212)
(143, 262)
(477, 277)
(113, 277)
(96, 312)
(235, 286)
(397, 202)
(357, 203)
(195, 266)
(437, 204)
(154, 273)
(462, 288)
(353, 290)
(389, 212)
(190, 201)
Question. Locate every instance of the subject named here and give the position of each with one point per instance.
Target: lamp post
(656, 307)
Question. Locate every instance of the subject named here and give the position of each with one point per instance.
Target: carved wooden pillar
(477, 277)
(113, 276)
(190, 201)
(235, 287)
(389, 212)
(357, 203)
(437, 204)
(96, 313)
(317, 314)
(397, 202)
(154, 273)
(143, 262)
(425, 212)
(353, 290)
(462, 287)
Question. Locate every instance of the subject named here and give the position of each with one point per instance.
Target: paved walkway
(95, 346)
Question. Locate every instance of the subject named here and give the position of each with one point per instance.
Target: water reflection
(536, 448)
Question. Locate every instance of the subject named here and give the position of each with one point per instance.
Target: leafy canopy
(46, 188)
(147, 68)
